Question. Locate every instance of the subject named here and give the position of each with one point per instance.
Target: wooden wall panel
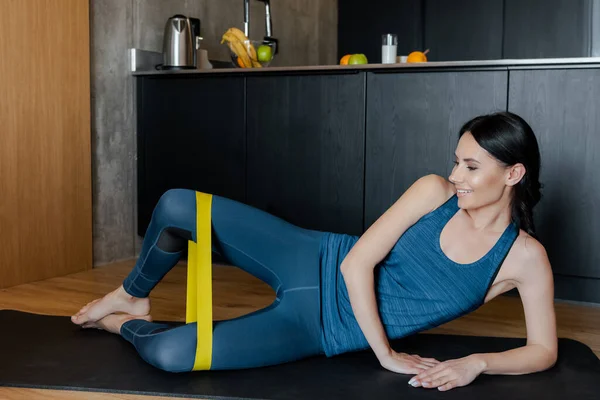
(459, 30)
(305, 149)
(412, 126)
(561, 105)
(45, 171)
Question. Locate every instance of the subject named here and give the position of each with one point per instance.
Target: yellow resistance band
(199, 283)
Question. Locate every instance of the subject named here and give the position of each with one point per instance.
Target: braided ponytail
(527, 195)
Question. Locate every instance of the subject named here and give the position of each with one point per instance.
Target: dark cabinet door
(190, 135)
(547, 28)
(413, 121)
(463, 29)
(361, 25)
(562, 108)
(305, 149)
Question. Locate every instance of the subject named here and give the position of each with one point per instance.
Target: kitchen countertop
(583, 62)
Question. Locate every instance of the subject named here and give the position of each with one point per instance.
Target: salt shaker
(389, 48)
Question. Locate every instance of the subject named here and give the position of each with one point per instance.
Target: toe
(79, 319)
(84, 314)
(81, 311)
(85, 308)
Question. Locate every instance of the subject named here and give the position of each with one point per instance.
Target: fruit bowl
(251, 53)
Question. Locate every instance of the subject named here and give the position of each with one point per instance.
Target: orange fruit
(344, 60)
(416, 56)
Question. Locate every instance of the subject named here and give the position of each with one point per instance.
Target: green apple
(264, 53)
(358, 59)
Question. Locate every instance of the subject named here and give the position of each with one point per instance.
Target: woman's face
(478, 177)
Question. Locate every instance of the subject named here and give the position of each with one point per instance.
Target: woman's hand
(450, 374)
(403, 363)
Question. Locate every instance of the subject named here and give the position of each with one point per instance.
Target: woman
(441, 250)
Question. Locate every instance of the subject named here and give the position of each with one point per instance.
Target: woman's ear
(515, 174)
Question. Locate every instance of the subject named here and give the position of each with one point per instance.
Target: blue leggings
(283, 255)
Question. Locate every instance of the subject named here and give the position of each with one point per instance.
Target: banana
(241, 46)
(242, 37)
(239, 35)
(240, 51)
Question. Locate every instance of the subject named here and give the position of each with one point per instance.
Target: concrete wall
(307, 33)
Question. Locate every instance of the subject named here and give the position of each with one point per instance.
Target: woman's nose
(455, 176)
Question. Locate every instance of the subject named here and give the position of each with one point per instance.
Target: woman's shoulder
(530, 257)
(438, 187)
(529, 248)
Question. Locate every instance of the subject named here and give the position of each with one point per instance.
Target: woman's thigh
(281, 254)
(288, 330)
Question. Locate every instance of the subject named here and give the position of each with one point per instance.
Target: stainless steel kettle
(179, 42)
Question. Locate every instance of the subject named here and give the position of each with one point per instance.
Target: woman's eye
(469, 168)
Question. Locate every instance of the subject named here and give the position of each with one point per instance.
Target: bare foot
(116, 301)
(113, 322)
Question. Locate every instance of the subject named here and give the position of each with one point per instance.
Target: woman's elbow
(549, 360)
(345, 268)
(349, 271)
(552, 359)
(355, 272)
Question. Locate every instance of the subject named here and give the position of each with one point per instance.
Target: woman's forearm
(522, 360)
(361, 290)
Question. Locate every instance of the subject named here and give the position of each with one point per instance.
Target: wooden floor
(236, 293)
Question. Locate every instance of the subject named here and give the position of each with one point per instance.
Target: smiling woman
(430, 258)
(427, 245)
(496, 145)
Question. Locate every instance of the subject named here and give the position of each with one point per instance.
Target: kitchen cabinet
(191, 134)
(413, 120)
(361, 25)
(333, 149)
(469, 29)
(305, 148)
(547, 28)
(463, 29)
(561, 105)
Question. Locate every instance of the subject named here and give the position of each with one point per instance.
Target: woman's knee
(165, 360)
(175, 207)
(170, 352)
